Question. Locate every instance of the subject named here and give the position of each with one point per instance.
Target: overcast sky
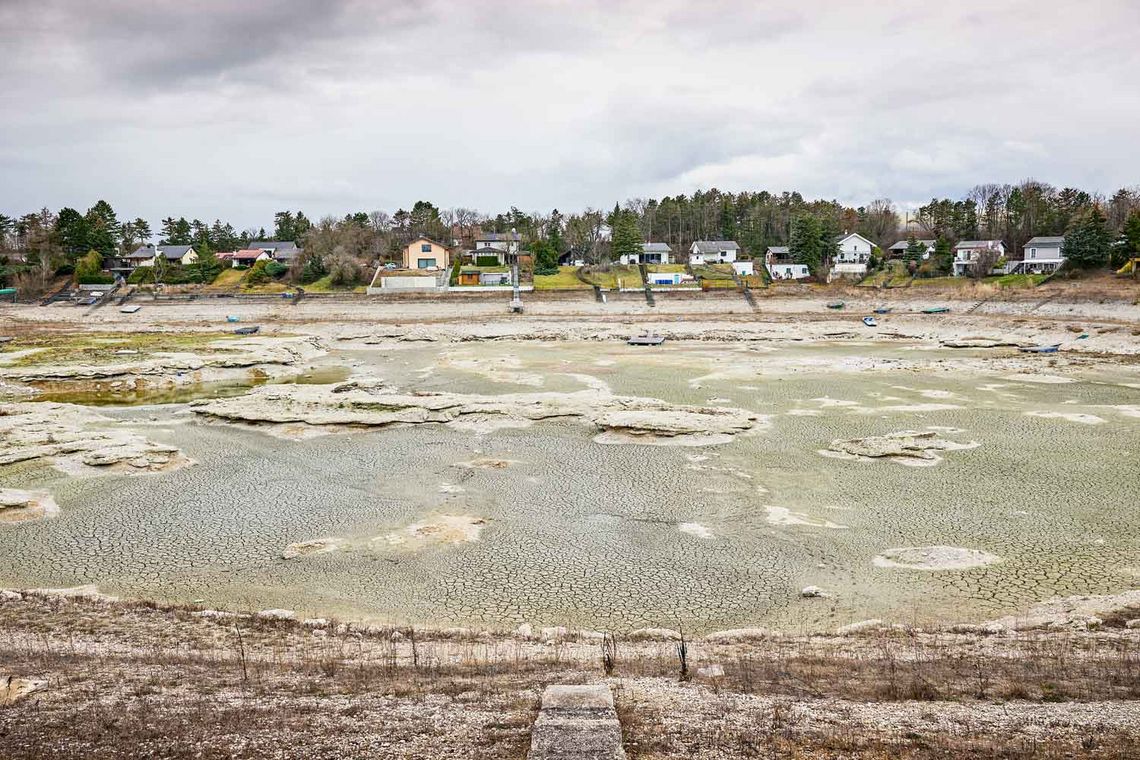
(213, 108)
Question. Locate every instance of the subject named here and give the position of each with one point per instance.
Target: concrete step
(576, 723)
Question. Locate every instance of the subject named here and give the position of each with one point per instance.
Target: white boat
(646, 340)
(129, 309)
(870, 322)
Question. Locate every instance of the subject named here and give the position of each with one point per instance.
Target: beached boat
(870, 322)
(836, 305)
(646, 340)
(232, 318)
(936, 310)
(883, 310)
(1040, 349)
(247, 330)
(131, 309)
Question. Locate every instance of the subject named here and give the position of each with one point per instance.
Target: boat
(936, 310)
(836, 305)
(247, 330)
(1040, 349)
(646, 340)
(129, 309)
(870, 322)
(883, 310)
(232, 318)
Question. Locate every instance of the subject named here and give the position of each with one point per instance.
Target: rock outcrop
(906, 447)
(25, 506)
(364, 403)
(78, 441)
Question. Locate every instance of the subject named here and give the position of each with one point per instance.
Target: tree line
(46, 243)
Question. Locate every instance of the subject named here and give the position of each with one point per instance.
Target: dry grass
(130, 680)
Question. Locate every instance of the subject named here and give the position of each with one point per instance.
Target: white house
(780, 265)
(969, 251)
(651, 253)
(744, 268)
(898, 250)
(498, 244)
(1042, 255)
(713, 252)
(853, 251)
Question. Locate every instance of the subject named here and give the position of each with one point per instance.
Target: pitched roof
(656, 248)
(496, 236)
(844, 236)
(902, 244)
(424, 237)
(142, 252)
(247, 253)
(977, 244)
(273, 245)
(715, 246)
(1045, 241)
(778, 250)
(174, 252)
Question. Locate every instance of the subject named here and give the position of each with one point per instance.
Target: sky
(233, 110)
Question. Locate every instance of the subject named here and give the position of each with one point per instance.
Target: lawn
(714, 272)
(666, 268)
(566, 279)
(616, 276)
(1001, 281)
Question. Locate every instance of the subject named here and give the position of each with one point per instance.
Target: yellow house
(425, 253)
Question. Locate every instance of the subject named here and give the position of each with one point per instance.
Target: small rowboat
(1039, 349)
(232, 318)
(646, 340)
(870, 322)
(936, 310)
(836, 305)
(247, 330)
(883, 310)
(130, 309)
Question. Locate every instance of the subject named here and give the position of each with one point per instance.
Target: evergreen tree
(1130, 242)
(914, 249)
(554, 234)
(284, 226)
(626, 239)
(545, 259)
(72, 229)
(943, 256)
(805, 244)
(1087, 241)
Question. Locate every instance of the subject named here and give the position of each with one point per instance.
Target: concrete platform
(576, 723)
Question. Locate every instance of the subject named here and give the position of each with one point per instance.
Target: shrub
(257, 274)
(276, 269)
(486, 261)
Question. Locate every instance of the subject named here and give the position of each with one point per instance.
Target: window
(1032, 253)
(425, 248)
(426, 263)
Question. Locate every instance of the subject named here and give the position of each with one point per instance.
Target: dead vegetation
(129, 680)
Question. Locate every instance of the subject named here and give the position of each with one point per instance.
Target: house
(282, 251)
(744, 268)
(425, 253)
(651, 253)
(498, 244)
(145, 255)
(1041, 255)
(778, 259)
(898, 250)
(969, 251)
(246, 257)
(713, 252)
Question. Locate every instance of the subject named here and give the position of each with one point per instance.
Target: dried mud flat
(87, 677)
